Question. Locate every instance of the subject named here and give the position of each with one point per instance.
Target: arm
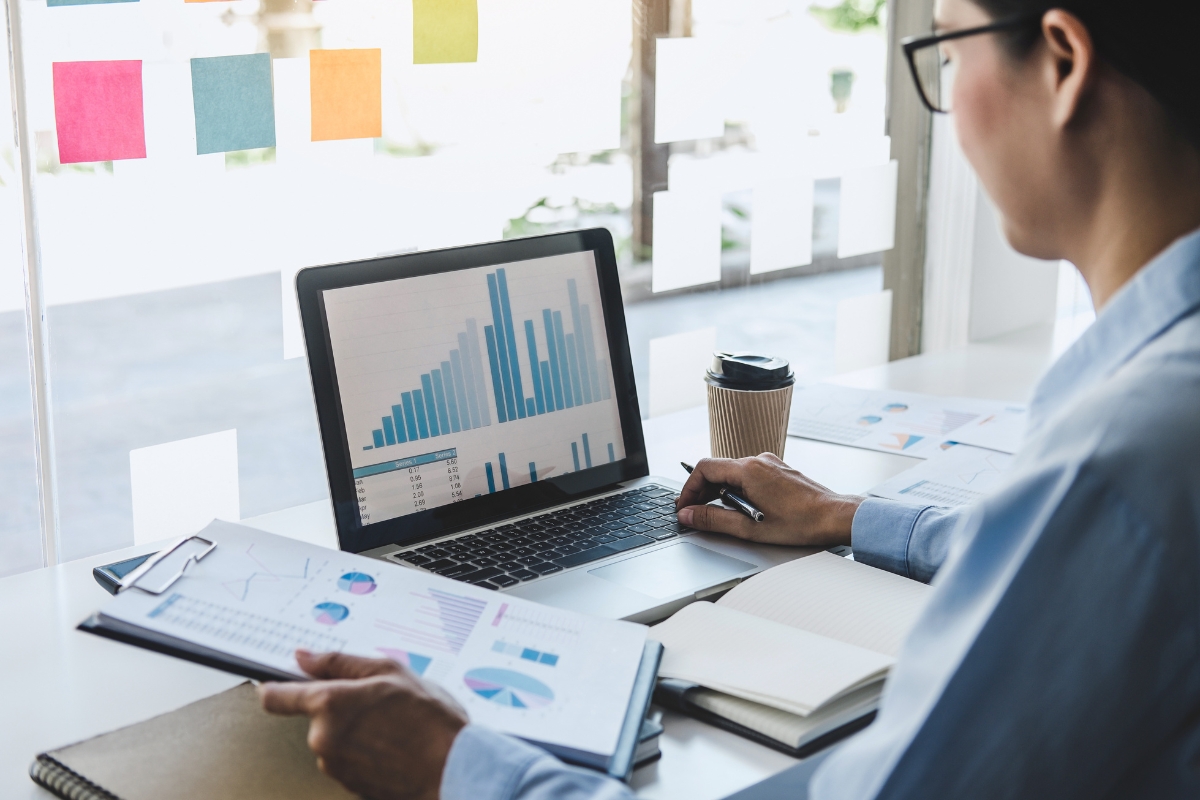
(911, 541)
(485, 765)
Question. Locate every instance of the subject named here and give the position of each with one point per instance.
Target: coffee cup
(749, 402)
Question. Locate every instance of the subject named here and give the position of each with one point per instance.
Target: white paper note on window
(781, 225)
(864, 331)
(677, 366)
(179, 487)
(687, 239)
(687, 90)
(867, 217)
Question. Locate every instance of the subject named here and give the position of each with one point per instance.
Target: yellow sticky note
(347, 90)
(445, 31)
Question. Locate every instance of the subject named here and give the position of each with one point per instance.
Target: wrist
(838, 519)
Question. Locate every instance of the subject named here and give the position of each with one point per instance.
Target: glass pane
(20, 530)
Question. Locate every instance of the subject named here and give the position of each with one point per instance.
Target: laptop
(479, 420)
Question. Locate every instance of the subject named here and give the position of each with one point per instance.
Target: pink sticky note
(98, 110)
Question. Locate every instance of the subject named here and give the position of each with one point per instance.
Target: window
(192, 156)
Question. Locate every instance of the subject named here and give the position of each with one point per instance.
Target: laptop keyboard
(522, 551)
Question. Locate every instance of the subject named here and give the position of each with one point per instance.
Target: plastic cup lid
(748, 371)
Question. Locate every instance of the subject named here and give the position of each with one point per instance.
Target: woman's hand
(375, 726)
(797, 510)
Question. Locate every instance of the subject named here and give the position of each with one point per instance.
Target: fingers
(718, 520)
(701, 484)
(288, 699)
(327, 666)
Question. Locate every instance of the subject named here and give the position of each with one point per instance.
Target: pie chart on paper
(356, 583)
(508, 688)
(330, 613)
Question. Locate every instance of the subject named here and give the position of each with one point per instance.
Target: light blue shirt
(1059, 655)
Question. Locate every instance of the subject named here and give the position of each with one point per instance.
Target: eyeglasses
(934, 73)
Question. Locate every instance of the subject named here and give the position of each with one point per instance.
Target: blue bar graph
(453, 395)
(503, 471)
(587, 453)
(431, 415)
(575, 455)
(563, 368)
(532, 472)
(552, 352)
(611, 455)
(422, 423)
(535, 365)
(585, 377)
(511, 337)
(487, 467)
(410, 418)
(398, 415)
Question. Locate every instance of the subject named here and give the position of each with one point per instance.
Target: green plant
(852, 15)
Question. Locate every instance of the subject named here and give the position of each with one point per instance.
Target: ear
(1072, 63)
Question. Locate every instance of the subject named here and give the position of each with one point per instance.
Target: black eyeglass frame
(912, 44)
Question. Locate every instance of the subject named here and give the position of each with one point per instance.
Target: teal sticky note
(233, 101)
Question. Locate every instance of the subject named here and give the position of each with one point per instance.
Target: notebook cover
(223, 746)
(673, 694)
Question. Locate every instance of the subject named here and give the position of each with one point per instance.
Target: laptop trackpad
(684, 567)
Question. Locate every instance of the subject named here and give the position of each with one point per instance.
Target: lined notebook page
(760, 660)
(832, 596)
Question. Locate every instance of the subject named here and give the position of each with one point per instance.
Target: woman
(1059, 654)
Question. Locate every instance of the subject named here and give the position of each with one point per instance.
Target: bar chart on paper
(468, 383)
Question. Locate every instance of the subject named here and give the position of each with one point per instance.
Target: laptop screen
(467, 383)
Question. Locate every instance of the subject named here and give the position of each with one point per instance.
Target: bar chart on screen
(468, 383)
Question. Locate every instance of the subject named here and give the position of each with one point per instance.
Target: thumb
(329, 666)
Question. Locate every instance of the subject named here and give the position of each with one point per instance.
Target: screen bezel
(312, 282)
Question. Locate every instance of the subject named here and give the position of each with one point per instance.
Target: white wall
(976, 285)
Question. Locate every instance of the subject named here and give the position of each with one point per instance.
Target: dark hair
(1153, 42)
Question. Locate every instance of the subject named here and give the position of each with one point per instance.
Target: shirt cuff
(485, 765)
(881, 532)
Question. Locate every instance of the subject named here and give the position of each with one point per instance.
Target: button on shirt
(1059, 655)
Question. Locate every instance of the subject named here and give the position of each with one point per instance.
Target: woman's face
(1005, 127)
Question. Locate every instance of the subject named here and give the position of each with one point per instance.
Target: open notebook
(795, 656)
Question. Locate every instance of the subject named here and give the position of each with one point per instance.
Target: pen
(729, 498)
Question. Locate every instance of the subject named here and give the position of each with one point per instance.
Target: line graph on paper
(958, 476)
(440, 621)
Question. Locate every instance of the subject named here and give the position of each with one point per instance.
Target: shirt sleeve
(485, 765)
(909, 540)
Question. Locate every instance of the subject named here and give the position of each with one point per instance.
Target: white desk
(60, 686)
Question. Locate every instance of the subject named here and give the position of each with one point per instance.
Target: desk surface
(61, 686)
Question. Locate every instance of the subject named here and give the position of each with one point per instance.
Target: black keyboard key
(483, 561)
(604, 538)
(510, 565)
(503, 581)
(568, 549)
(544, 568)
(437, 553)
(655, 514)
(536, 558)
(441, 563)
(603, 551)
(659, 535)
(485, 574)
(523, 574)
(621, 534)
(486, 585)
(417, 560)
(455, 571)
(638, 528)
(426, 548)
(521, 551)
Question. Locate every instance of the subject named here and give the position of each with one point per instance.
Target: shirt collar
(1162, 292)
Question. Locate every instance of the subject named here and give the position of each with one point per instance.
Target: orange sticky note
(346, 87)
